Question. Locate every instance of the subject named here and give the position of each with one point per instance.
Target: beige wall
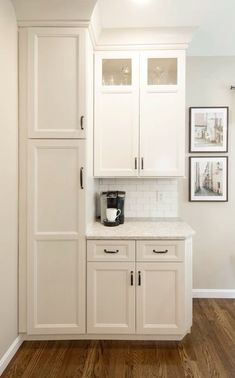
(208, 84)
(8, 176)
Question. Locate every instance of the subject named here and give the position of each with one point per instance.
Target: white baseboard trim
(213, 293)
(11, 351)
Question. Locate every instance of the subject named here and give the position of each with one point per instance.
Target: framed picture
(208, 129)
(208, 179)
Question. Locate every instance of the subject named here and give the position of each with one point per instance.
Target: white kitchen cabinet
(56, 242)
(56, 61)
(139, 114)
(111, 297)
(116, 114)
(162, 113)
(160, 298)
(150, 295)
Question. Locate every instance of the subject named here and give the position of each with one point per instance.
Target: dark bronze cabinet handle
(106, 251)
(81, 178)
(154, 250)
(132, 279)
(142, 163)
(82, 122)
(136, 163)
(139, 278)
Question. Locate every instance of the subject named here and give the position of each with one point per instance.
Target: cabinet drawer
(110, 250)
(160, 250)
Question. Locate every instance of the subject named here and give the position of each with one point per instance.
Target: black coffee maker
(112, 200)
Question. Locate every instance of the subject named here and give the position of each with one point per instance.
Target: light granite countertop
(173, 228)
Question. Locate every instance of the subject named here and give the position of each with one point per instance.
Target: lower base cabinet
(160, 301)
(111, 299)
(149, 297)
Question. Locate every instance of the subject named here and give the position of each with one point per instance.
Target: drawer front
(110, 250)
(160, 250)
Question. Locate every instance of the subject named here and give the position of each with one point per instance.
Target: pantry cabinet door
(56, 83)
(110, 297)
(116, 132)
(160, 298)
(56, 237)
(162, 113)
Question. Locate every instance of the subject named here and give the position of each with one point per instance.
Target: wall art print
(208, 179)
(208, 129)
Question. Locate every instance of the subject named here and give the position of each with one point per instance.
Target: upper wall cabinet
(162, 113)
(55, 82)
(140, 114)
(116, 113)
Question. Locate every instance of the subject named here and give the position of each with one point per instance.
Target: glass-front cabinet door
(116, 114)
(116, 72)
(162, 113)
(161, 71)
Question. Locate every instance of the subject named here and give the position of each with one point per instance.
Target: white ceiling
(54, 9)
(214, 18)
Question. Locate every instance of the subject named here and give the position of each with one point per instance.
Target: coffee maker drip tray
(111, 224)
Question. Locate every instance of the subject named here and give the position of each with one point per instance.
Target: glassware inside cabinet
(116, 72)
(162, 71)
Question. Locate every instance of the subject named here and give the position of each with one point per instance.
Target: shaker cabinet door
(116, 114)
(110, 297)
(162, 114)
(139, 114)
(56, 83)
(160, 298)
(56, 241)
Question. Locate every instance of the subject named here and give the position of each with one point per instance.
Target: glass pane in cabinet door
(162, 71)
(116, 72)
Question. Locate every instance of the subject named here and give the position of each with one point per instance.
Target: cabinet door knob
(132, 278)
(106, 251)
(81, 178)
(82, 122)
(154, 250)
(139, 278)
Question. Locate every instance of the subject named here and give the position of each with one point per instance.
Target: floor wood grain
(209, 351)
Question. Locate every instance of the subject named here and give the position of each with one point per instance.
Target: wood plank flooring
(209, 351)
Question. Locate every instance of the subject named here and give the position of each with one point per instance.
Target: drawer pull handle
(139, 278)
(106, 251)
(154, 250)
(132, 278)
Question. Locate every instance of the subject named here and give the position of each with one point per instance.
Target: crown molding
(144, 46)
(53, 23)
(134, 38)
(124, 39)
(93, 35)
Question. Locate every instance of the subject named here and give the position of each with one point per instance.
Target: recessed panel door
(56, 237)
(56, 83)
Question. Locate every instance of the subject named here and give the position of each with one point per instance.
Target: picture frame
(208, 129)
(208, 178)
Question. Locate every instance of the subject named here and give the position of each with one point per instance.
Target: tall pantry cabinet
(52, 163)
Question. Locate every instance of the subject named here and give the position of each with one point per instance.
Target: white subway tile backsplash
(146, 198)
